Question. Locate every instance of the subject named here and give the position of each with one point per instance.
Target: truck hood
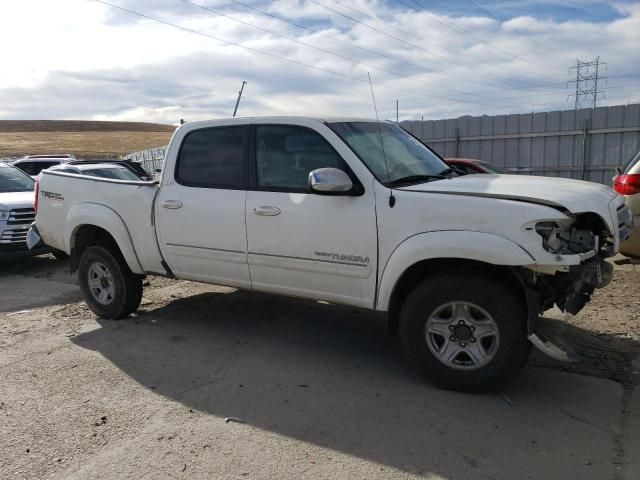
(11, 200)
(576, 196)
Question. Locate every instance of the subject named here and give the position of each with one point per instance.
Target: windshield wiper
(452, 170)
(414, 179)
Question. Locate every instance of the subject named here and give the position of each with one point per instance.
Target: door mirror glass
(330, 181)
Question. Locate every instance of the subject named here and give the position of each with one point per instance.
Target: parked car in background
(33, 164)
(105, 169)
(627, 183)
(16, 212)
(134, 167)
(471, 165)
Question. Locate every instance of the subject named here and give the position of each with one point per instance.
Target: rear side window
(26, 167)
(213, 158)
(285, 155)
(632, 164)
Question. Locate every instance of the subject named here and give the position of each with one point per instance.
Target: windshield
(406, 157)
(13, 180)
(115, 173)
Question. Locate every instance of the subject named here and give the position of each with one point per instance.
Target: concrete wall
(587, 143)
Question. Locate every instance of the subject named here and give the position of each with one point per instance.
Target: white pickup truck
(349, 211)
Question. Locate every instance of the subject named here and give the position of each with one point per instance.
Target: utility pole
(397, 115)
(587, 80)
(239, 97)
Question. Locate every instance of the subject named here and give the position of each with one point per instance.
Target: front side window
(286, 154)
(389, 152)
(213, 158)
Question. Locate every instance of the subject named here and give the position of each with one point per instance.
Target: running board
(552, 350)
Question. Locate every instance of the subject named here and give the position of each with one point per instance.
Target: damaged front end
(579, 245)
(570, 286)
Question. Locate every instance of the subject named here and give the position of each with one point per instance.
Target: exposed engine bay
(585, 235)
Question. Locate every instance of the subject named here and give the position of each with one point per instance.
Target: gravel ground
(210, 382)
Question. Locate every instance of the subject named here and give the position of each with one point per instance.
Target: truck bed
(67, 201)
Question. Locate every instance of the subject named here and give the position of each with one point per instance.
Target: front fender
(479, 246)
(107, 219)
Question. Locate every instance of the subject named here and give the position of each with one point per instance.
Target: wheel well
(84, 237)
(418, 271)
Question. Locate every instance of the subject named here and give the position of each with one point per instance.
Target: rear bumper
(631, 247)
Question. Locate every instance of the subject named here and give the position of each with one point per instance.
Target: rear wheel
(109, 287)
(465, 330)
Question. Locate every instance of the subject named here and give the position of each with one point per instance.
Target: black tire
(60, 255)
(126, 287)
(492, 294)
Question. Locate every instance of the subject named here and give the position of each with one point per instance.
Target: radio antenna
(392, 199)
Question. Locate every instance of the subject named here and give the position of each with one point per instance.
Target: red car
(471, 165)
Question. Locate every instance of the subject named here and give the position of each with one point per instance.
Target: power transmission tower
(588, 82)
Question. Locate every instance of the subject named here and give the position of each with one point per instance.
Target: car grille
(625, 222)
(21, 216)
(20, 219)
(16, 235)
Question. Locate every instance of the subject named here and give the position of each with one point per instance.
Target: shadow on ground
(328, 376)
(32, 282)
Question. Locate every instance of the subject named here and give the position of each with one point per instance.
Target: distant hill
(81, 126)
(84, 139)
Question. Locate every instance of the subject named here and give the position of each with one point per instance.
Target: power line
(258, 51)
(457, 53)
(461, 30)
(317, 32)
(300, 42)
(519, 32)
(412, 45)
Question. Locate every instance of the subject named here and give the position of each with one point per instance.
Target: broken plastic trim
(552, 350)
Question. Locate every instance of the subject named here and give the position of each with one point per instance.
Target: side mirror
(330, 181)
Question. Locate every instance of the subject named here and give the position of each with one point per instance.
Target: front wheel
(465, 330)
(109, 287)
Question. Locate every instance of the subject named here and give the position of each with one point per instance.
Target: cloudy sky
(162, 60)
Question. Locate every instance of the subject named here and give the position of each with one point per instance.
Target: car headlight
(4, 215)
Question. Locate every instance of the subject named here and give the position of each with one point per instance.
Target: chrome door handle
(172, 204)
(266, 211)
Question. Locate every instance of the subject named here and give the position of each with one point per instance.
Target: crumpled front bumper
(583, 280)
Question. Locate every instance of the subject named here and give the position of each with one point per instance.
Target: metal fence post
(583, 168)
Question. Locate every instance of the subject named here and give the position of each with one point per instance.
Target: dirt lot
(313, 391)
(83, 139)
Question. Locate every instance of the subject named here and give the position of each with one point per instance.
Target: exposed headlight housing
(578, 235)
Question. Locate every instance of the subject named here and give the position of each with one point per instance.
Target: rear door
(301, 243)
(201, 208)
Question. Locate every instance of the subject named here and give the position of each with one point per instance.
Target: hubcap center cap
(462, 332)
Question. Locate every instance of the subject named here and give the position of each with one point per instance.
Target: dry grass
(83, 139)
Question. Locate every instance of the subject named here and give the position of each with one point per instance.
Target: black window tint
(213, 157)
(26, 167)
(286, 154)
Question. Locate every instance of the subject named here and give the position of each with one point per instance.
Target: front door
(305, 244)
(201, 205)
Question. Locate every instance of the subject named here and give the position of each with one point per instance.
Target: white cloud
(81, 59)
